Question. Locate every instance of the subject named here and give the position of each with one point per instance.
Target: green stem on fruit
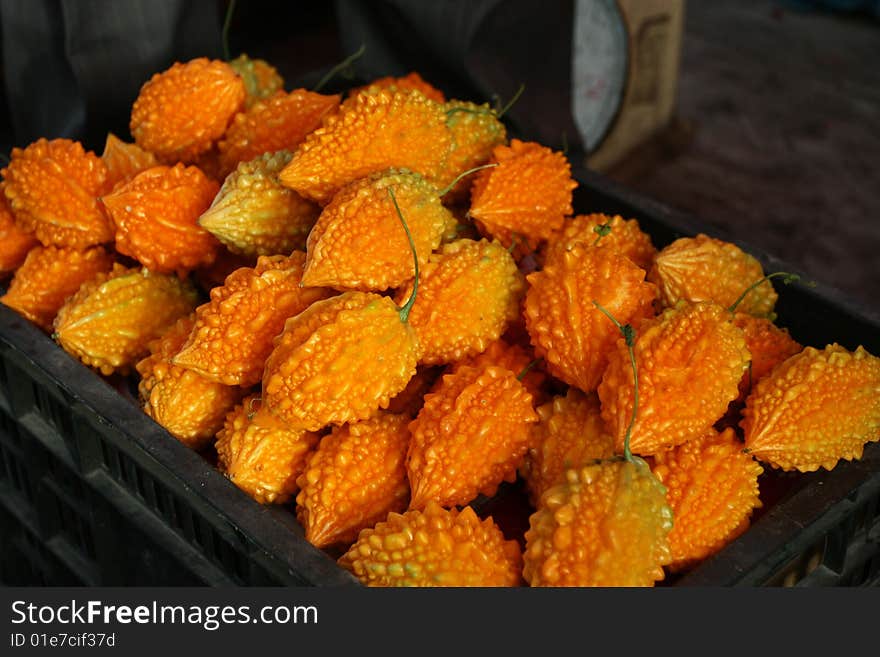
(601, 230)
(629, 336)
(404, 310)
(501, 112)
(443, 192)
(527, 369)
(787, 278)
(227, 22)
(341, 66)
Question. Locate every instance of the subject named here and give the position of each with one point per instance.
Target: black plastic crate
(92, 491)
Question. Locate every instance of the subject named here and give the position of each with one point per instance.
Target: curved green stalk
(788, 279)
(227, 21)
(341, 66)
(443, 192)
(404, 310)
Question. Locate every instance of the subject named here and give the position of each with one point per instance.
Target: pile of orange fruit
(377, 309)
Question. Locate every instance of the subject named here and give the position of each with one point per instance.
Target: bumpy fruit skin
(110, 321)
(471, 435)
(358, 241)
(15, 243)
(712, 487)
(339, 361)
(124, 161)
(156, 218)
(261, 79)
(410, 400)
(382, 130)
(769, 346)
(254, 214)
(817, 408)
(48, 277)
(569, 433)
(234, 331)
(280, 122)
(704, 268)
(411, 80)
(624, 236)
(606, 525)
(354, 479)
(262, 455)
(515, 358)
(528, 194)
(180, 112)
(566, 328)
(468, 293)
(189, 406)
(53, 188)
(434, 547)
(690, 360)
(476, 131)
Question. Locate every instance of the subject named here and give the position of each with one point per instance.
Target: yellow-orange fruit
(411, 80)
(712, 487)
(468, 293)
(254, 214)
(234, 331)
(354, 479)
(704, 268)
(15, 243)
(189, 406)
(156, 218)
(124, 161)
(768, 344)
(110, 321)
(817, 408)
(566, 328)
(261, 79)
(279, 122)
(606, 525)
(528, 194)
(690, 360)
(514, 357)
(382, 130)
(622, 235)
(262, 455)
(53, 187)
(470, 436)
(569, 433)
(339, 361)
(434, 547)
(409, 401)
(358, 241)
(180, 112)
(48, 277)
(476, 131)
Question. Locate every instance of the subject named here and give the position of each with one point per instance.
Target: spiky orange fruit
(704, 268)
(124, 161)
(339, 361)
(516, 358)
(690, 360)
(815, 409)
(53, 188)
(470, 436)
(566, 328)
(382, 130)
(768, 344)
(712, 488)
(570, 432)
(468, 293)
(358, 241)
(261, 79)
(279, 122)
(262, 455)
(409, 401)
(476, 131)
(234, 331)
(434, 547)
(607, 524)
(189, 406)
(254, 214)
(48, 277)
(15, 243)
(354, 479)
(110, 321)
(528, 194)
(605, 231)
(156, 218)
(180, 112)
(411, 80)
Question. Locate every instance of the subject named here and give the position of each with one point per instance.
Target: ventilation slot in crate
(14, 473)
(4, 385)
(9, 431)
(55, 413)
(74, 527)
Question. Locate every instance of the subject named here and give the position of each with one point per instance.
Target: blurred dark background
(775, 138)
